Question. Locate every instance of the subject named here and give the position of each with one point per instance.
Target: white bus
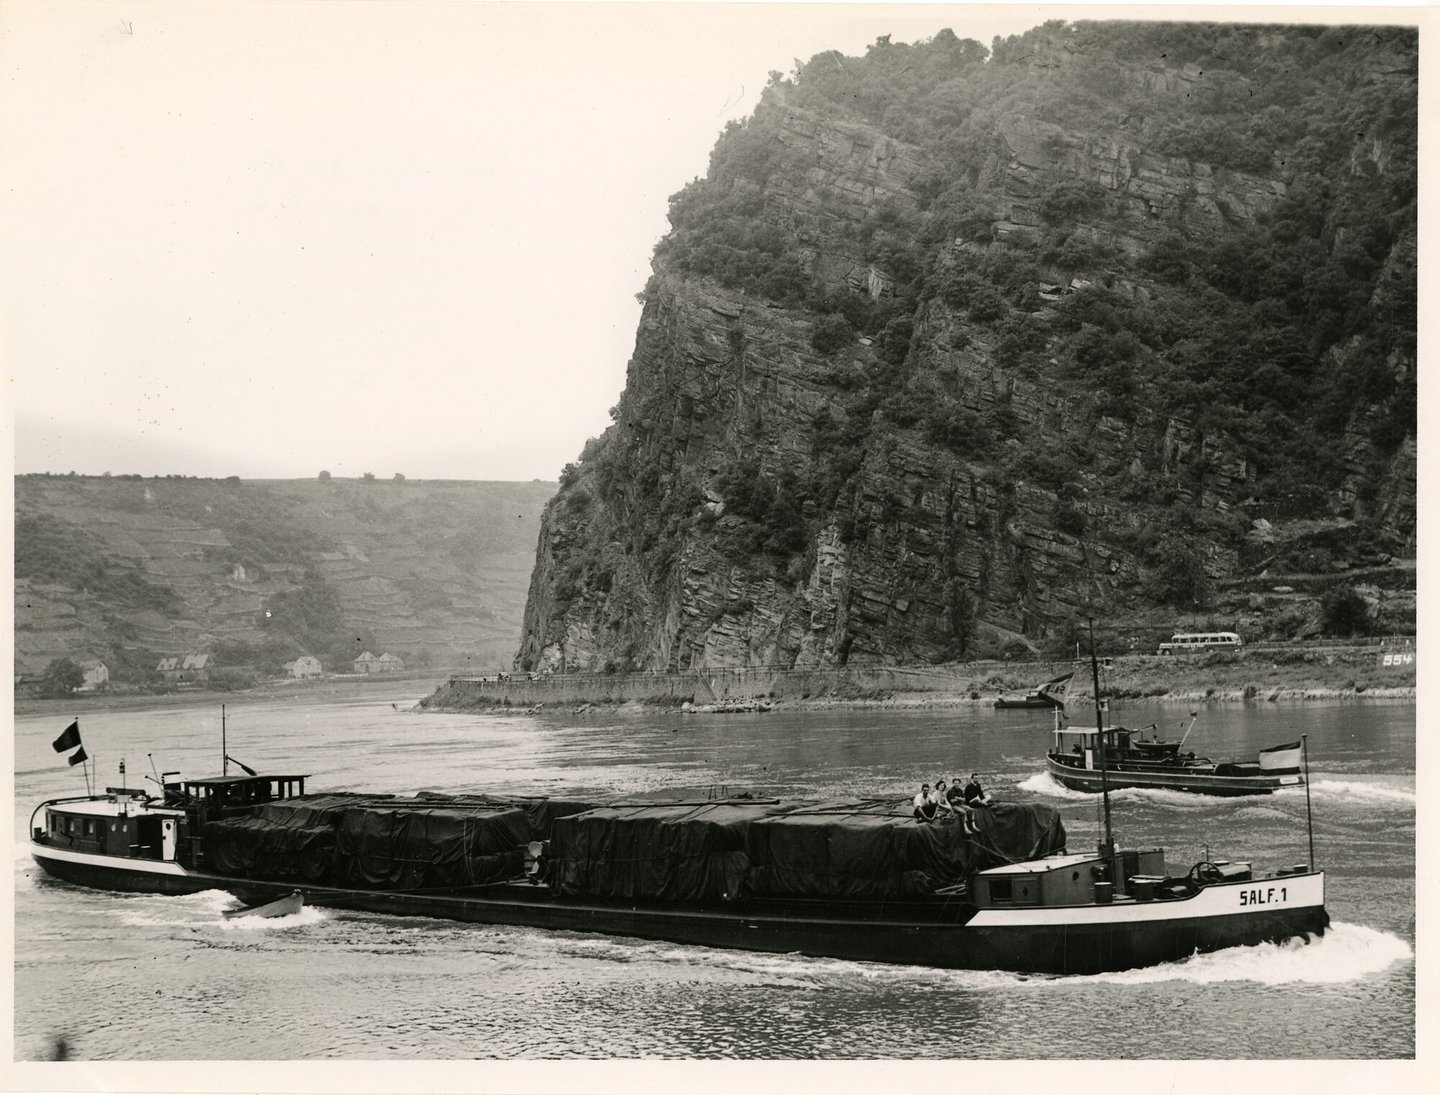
(1183, 642)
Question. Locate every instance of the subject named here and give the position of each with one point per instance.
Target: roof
(230, 781)
(1040, 866)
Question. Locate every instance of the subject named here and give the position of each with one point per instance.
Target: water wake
(1358, 791)
(1347, 952)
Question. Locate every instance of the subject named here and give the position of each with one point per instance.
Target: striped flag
(1281, 759)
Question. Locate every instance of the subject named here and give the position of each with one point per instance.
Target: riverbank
(318, 691)
(1260, 676)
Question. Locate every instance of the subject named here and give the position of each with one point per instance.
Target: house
(96, 672)
(367, 663)
(186, 668)
(305, 667)
(389, 663)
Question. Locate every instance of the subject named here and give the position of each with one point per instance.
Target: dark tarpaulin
(874, 849)
(419, 847)
(253, 847)
(839, 850)
(540, 811)
(662, 851)
(1011, 831)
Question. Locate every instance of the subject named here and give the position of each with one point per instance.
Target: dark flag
(78, 756)
(243, 767)
(69, 739)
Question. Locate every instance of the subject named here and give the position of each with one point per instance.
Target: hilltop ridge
(126, 570)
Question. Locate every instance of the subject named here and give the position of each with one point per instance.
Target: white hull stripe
(1226, 899)
(112, 862)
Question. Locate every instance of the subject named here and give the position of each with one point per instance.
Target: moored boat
(858, 879)
(1046, 696)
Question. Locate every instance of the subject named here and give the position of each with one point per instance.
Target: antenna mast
(224, 752)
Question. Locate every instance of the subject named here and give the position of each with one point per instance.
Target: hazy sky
(266, 239)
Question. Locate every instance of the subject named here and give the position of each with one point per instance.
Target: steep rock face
(861, 426)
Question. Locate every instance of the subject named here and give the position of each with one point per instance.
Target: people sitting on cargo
(924, 804)
(974, 793)
(941, 798)
(955, 799)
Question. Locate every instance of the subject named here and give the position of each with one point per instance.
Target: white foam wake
(1358, 791)
(1347, 952)
(1043, 783)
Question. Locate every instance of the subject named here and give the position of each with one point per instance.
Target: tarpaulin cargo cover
(540, 811)
(661, 851)
(418, 847)
(876, 848)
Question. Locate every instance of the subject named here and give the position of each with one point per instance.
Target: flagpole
(224, 752)
(1309, 820)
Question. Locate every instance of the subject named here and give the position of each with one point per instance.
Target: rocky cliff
(947, 352)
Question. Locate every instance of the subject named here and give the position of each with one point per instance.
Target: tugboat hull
(1174, 779)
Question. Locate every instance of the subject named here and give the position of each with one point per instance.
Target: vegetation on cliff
(1136, 294)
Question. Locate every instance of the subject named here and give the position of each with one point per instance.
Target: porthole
(1074, 876)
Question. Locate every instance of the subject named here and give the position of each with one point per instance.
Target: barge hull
(1096, 939)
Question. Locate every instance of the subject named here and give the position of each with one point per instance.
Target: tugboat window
(1001, 891)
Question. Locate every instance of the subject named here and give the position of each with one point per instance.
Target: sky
(272, 239)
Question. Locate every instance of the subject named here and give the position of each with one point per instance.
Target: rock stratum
(126, 570)
(952, 349)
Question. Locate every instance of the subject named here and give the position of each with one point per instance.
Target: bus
(1184, 641)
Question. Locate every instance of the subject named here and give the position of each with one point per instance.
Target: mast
(1309, 821)
(1108, 846)
(224, 752)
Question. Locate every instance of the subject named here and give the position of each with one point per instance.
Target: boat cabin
(1071, 879)
(123, 823)
(1080, 746)
(225, 795)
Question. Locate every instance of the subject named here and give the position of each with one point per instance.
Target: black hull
(938, 934)
(1090, 780)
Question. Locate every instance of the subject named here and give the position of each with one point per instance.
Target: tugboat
(858, 880)
(1131, 759)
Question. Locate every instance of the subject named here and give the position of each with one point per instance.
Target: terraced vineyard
(127, 570)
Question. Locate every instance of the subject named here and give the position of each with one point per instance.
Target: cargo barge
(859, 879)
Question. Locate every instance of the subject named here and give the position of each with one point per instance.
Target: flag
(1281, 759)
(69, 739)
(1058, 685)
(78, 756)
(243, 767)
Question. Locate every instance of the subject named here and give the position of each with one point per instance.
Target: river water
(141, 978)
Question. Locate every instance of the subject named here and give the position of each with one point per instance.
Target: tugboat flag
(69, 739)
(1057, 685)
(1281, 759)
(78, 756)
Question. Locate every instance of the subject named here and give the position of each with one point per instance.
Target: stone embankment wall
(704, 686)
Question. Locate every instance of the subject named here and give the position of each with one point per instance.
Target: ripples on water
(325, 984)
